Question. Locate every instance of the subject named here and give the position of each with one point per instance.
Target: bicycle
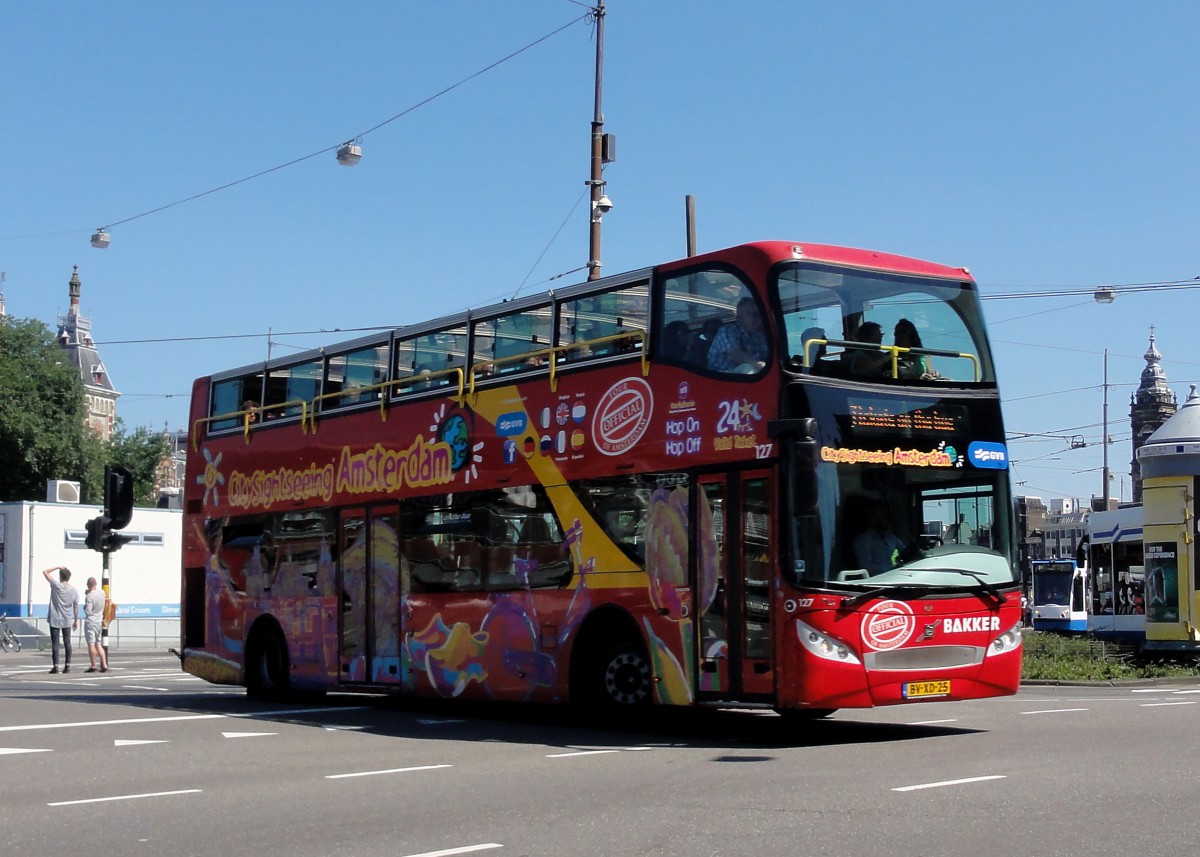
(8, 639)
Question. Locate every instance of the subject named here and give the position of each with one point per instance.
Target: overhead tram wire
(323, 151)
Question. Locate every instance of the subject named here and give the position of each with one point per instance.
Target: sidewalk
(129, 635)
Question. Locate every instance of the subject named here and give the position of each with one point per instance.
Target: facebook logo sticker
(992, 456)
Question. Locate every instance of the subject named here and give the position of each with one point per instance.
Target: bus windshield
(899, 526)
(865, 324)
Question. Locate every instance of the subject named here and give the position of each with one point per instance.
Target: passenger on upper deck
(864, 360)
(675, 341)
(741, 345)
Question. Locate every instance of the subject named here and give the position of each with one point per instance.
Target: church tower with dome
(1151, 406)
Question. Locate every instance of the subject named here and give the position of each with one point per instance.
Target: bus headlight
(1006, 642)
(824, 646)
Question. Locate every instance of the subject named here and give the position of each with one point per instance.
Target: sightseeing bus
(1060, 592)
(709, 482)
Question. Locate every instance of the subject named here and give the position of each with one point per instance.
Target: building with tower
(1151, 406)
(75, 338)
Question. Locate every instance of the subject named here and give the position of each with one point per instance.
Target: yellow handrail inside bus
(895, 352)
(554, 355)
(250, 417)
(383, 388)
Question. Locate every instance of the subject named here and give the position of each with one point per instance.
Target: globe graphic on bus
(454, 433)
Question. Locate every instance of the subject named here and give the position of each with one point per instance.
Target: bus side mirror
(804, 470)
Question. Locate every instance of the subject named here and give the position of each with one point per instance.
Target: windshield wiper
(904, 589)
(984, 584)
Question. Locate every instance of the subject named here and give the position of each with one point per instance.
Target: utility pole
(603, 151)
(1104, 440)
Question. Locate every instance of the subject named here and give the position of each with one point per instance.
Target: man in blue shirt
(740, 346)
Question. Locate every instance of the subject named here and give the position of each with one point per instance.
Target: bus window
(944, 314)
(234, 395)
(349, 374)
(726, 326)
(513, 343)
(290, 385)
(594, 325)
(437, 354)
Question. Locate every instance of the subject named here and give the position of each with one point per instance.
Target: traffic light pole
(106, 585)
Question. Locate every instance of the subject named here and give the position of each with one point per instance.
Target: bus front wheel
(625, 676)
(267, 666)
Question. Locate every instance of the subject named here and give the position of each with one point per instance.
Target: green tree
(139, 452)
(42, 409)
(43, 433)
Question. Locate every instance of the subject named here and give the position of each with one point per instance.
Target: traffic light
(113, 541)
(97, 529)
(118, 496)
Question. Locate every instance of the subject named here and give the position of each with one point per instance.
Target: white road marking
(931, 722)
(1054, 711)
(344, 728)
(948, 783)
(12, 751)
(1157, 704)
(466, 849)
(247, 734)
(133, 742)
(391, 771)
(123, 797)
(579, 753)
(127, 720)
(141, 687)
(1184, 692)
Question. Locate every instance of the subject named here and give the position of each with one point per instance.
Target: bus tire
(268, 668)
(623, 676)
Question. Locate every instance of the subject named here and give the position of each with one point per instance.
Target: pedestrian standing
(93, 626)
(63, 614)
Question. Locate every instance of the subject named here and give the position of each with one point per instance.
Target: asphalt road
(146, 760)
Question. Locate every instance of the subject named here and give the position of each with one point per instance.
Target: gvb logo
(990, 456)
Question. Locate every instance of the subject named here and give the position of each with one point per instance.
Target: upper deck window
(431, 361)
(711, 320)
(290, 386)
(232, 396)
(883, 327)
(511, 343)
(601, 325)
(351, 374)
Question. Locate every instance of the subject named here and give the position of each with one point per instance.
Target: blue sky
(1046, 146)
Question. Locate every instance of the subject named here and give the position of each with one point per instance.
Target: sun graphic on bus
(456, 433)
(211, 478)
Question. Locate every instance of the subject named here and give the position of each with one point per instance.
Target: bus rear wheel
(267, 666)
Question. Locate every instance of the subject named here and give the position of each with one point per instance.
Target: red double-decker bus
(772, 475)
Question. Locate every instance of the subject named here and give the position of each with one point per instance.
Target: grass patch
(1061, 658)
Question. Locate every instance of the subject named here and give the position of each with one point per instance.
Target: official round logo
(888, 625)
(622, 416)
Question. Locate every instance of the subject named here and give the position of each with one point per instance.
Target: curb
(1130, 682)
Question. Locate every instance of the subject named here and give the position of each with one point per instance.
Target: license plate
(922, 689)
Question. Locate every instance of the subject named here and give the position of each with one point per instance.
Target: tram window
(593, 325)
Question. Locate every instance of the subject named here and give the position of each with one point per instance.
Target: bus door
(369, 586)
(734, 657)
